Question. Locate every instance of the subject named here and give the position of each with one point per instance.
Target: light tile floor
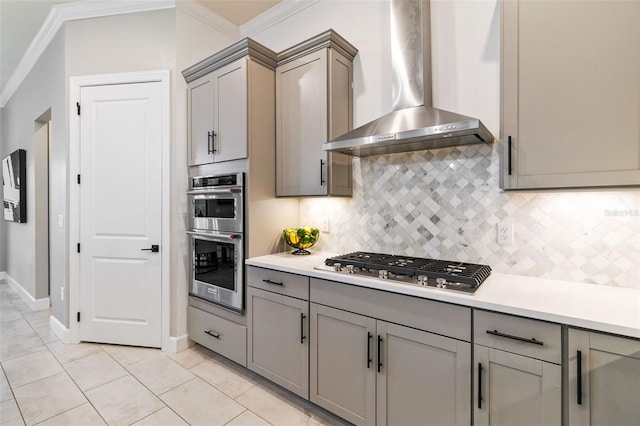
(46, 382)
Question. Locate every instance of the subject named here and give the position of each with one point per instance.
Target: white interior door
(120, 214)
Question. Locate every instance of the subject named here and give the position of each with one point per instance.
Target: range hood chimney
(413, 124)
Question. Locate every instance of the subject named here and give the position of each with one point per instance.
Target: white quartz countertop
(601, 308)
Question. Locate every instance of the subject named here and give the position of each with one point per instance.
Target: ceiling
(239, 11)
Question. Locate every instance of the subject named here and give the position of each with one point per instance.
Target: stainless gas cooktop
(443, 274)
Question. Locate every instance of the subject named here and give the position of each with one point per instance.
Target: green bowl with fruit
(301, 238)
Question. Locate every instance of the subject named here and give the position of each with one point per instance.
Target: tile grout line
(13, 394)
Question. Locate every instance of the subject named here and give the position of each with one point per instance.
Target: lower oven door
(217, 265)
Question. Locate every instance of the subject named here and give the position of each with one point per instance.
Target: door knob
(154, 248)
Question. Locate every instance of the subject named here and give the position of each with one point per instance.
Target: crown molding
(272, 16)
(61, 13)
(209, 17)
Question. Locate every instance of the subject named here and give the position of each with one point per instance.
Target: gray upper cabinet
(604, 379)
(570, 94)
(218, 101)
(314, 103)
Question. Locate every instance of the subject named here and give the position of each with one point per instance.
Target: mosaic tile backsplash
(446, 204)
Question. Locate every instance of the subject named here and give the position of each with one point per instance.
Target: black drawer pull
(379, 353)
(302, 336)
(273, 282)
(369, 337)
(212, 334)
(518, 338)
(479, 386)
(579, 395)
(510, 169)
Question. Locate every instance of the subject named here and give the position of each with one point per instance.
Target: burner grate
(469, 274)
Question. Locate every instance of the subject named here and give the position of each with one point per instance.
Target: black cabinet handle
(479, 385)
(212, 334)
(302, 336)
(509, 155)
(273, 282)
(154, 248)
(211, 142)
(369, 337)
(518, 338)
(379, 353)
(321, 173)
(579, 393)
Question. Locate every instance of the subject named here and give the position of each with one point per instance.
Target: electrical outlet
(61, 293)
(324, 224)
(505, 234)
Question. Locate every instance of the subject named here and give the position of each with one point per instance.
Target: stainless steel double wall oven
(216, 229)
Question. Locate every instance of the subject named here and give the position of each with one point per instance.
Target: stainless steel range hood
(413, 124)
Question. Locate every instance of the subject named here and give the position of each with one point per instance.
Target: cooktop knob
(382, 273)
(337, 267)
(422, 279)
(441, 283)
(350, 269)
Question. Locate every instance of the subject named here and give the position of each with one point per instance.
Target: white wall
(43, 88)
(3, 238)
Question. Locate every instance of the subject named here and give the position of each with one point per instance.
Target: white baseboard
(177, 344)
(34, 304)
(63, 333)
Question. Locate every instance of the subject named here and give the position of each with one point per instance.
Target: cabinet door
(608, 392)
(343, 364)
(278, 346)
(230, 108)
(340, 121)
(200, 125)
(511, 389)
(571, 93)
(301, 126)
(423, 378)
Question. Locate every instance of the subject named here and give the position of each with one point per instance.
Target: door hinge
(78, 316)
(78, 179)
(78, 107)
(78, 247)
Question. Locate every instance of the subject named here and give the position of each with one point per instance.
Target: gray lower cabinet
(370, 371)
(517, 371)
(278, 339)
(603, 379)
(343, 364)
(218, 334)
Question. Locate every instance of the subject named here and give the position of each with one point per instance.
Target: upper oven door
(216, 210)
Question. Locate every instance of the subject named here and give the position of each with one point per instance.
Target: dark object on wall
(14, 185)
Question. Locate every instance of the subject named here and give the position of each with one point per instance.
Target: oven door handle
(215, 236)
(215, 191)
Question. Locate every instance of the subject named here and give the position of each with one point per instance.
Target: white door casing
(119, 146)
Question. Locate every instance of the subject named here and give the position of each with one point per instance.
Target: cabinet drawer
(524, 336)
(218, 334)
(427, 315)
(278, 282)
